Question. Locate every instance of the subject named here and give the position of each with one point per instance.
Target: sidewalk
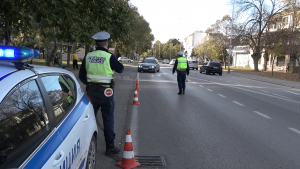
(287, 83)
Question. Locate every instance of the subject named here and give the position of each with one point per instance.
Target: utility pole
(159, 50)
(230, 47)
(170, 54)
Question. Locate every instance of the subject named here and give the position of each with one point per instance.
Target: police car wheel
(91, 157)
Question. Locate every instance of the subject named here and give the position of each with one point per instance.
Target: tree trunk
(53, 51)
(266, 59)
(7, 34)
(298, 60)
(69, 55)
(256, 57)
(272, 61)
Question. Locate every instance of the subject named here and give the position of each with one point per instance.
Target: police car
(46, 120)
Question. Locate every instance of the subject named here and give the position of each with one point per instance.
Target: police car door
(72, 121)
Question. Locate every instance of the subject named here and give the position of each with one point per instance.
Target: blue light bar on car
(17, 53)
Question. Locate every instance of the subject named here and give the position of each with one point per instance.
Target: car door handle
(60, 157)
(86, 118)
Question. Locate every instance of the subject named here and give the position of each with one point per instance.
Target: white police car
(46, 120)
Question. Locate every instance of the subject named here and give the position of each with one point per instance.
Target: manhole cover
(153, 161)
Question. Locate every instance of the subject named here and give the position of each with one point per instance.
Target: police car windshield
(149, 61)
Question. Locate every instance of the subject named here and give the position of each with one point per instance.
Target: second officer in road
(182, 68)
(96, 72)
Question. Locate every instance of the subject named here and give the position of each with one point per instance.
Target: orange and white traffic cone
(135, 99)
(128, 160)
(137, 85)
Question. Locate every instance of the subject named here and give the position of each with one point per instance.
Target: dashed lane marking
(264, 91)
(238, 103)
(295, 130)
(298, 94)
(259, 113)
(200, 85)
(209, 90)
(222, 95)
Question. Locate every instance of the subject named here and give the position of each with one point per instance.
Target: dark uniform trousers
(181, 77)
(107, 105)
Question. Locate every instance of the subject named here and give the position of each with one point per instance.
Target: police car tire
(91, 157)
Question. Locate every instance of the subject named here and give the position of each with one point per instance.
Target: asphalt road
(221, 122)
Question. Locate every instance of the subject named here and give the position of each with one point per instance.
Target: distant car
(159, 60)
(149, 65)
(193, 64)
(172, 62)
(211, 67)
(46, 120)
(125, 59)
(165, 61)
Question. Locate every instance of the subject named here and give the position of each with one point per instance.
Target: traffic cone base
(128, 160)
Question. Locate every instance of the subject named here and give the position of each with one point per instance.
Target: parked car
(211, 67)
(149, 65)
(172, 62)
(193, 64)
(46, 120)
(125, 59)
(165, 61)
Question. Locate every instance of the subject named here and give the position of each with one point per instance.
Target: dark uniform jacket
(114, 64)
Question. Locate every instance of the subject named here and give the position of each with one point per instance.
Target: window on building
(24, 124)
(60, 92)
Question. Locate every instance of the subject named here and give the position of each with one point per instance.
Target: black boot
(180, 92)
(183, 91)
(111, 149)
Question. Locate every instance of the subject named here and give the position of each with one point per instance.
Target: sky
(179, 18)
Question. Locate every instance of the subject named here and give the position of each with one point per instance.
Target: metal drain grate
(153, 161)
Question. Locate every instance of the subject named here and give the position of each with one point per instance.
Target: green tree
(255, 16)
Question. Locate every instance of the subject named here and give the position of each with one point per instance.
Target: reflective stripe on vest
(98, 67)
(182, 64)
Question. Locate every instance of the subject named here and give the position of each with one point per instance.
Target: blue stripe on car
(46, 151)
(82, 163)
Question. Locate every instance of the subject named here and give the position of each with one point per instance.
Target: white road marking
(295, 130)
(238, 103)
(280, 95)
(259, 113)
(264, 91)
(293, 93)
(282, 98)
(194, 82)
(222, 95)
(200, 85)
(209, 90)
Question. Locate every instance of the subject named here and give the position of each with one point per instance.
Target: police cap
(180, 53)
(101, 36)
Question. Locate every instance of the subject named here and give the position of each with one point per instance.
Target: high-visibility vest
(98, 68)
(69, 98)
(182, 64)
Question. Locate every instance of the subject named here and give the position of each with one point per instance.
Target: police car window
(60, 94)
(70, 82)
(23, 124)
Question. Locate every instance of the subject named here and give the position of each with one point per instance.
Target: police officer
(96, 72)
(182, 67)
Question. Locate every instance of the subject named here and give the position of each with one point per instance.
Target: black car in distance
(211, 67)
(149, 64)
